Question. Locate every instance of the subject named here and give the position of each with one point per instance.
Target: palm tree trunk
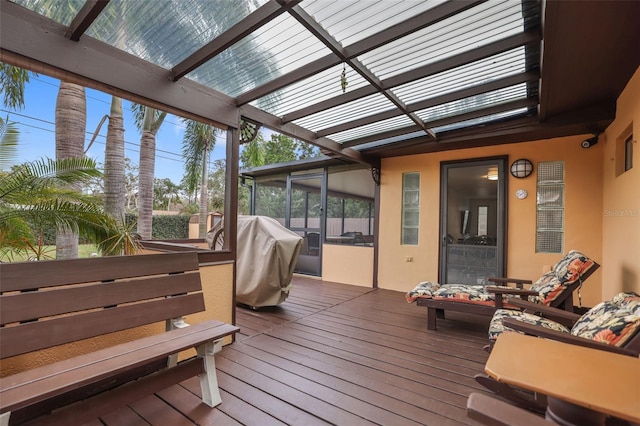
(71, 119)
(204, 208)
(114, 190)
(145, 184)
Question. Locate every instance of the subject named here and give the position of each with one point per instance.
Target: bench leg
(208, 379)
(4, 418)
(431, 318)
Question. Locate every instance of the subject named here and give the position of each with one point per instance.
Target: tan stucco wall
(347, 264)
(217, 284)
(583, 212)
(621, 203)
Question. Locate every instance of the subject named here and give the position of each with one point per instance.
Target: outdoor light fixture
(521, 168)
(588, 143)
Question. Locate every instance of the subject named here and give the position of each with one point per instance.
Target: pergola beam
(85, 17)
(300, 133)
(438, 100)
(421, 72)
(321, 34)
(481, 112)
(394, 32)
(246, 26)
(33, 42)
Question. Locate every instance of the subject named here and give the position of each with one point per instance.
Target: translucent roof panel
(336, 16)
(478, 26)
(481, 120)
(280, 46)
(61, 11)
(165, 31)
(470, 75)
(346, 112)
(319, 87)
(372, 129)
(473, 103)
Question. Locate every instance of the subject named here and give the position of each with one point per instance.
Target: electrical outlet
(408, 259)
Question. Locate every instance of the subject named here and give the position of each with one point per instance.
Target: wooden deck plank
(361, 386)
(156, 412)
(123, 416)
(333, 354)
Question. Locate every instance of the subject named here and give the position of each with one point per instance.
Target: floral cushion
(610, 321)
(572, 266)
(496, 327)
(424, 289)
(548, 288)
(476, 294)
(613, 322)
(629, 301)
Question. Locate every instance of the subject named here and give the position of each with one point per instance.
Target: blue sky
(37, 129)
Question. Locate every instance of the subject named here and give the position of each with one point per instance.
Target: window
(628, 153)
(624, 151)
(550, 208)
(410, 208)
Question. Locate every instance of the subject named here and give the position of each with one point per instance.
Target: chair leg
(536, 403)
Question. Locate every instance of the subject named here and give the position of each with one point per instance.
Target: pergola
(360, 79)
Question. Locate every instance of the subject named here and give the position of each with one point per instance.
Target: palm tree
(71, 119)
(35, 197)
(114, 162)
(148, 120)
(197, 145)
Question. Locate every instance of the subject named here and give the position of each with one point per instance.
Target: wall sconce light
(521, 168)
(588, 143)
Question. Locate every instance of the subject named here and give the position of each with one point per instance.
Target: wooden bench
(46, 304)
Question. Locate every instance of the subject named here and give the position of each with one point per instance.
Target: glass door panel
(472, 222)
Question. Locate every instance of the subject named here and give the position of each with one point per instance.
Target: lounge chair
(612, 325)
(555, 288)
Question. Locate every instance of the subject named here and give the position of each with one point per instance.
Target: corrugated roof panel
(372, 129)
(319, 87)
(373, 16)
(279, 47)
(165, 32)
(473, 103)
(470, 75)
(480, 120)
(475, 27)
(347, 112)
(61, 11)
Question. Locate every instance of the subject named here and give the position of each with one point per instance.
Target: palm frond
(8, 142)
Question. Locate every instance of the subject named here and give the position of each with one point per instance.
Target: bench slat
(52, 273)
(43, 334)
(36, 385)
(38, 304)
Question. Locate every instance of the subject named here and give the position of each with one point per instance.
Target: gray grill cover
(267, 255)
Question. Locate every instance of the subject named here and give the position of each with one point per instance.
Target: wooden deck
(332, 354)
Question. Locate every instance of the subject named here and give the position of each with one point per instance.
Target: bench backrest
(50, 303)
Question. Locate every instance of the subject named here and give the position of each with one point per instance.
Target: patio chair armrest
(499, 291)
(559, 336)
(504, 281)
(566, 317)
